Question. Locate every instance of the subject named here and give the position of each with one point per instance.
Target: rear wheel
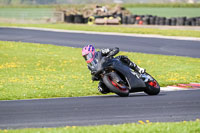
(119, 88)
(153, 87)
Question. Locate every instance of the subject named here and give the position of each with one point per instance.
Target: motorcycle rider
(88, 52)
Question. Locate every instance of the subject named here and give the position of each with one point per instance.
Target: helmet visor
(89, 57)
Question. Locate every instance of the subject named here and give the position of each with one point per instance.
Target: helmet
(88, 52)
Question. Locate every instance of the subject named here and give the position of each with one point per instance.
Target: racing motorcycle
(121, 79)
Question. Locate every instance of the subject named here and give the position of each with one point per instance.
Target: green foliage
(30, 70)
(141, 127)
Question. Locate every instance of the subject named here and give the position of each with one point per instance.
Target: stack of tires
(139, 19)
(155, 20)
(69, 18)
(193, 21)
(74, 19)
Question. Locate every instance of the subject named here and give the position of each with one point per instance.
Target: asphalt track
(125, 43)
(97, 110)
(83, 111)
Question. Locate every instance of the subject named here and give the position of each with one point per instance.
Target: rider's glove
(93, 72)
(94, 78)
(141, 70)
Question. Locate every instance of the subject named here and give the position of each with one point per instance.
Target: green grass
(17, 4)
(166, 12)
(117, 29)
(26, 13)
(161, 5)
(30, 70)
(39, 11)
(143, 127)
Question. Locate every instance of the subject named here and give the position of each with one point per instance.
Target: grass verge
(143, 127)
(118, 29)
(26, 13)
(15, 4)
(30, 70)
(161, 5)
(166, 11)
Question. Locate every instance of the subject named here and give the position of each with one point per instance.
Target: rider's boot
(131, 64)
(103, 88)
(136, 68)
(145, 77)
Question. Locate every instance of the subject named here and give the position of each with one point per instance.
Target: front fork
(145, 77)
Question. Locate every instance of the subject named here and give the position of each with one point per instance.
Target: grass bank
(141, 127)
(117, 29)
(26, 13)
(39, 13)
(30, 70)
(166, 11)
(163, 5)
(127, 5)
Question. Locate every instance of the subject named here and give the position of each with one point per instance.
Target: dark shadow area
(130, 95)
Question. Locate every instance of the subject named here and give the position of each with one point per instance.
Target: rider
(88, 52)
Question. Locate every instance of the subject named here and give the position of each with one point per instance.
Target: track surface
(167, 106)
(125, 43)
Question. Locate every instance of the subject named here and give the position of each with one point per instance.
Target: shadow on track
(130, 95)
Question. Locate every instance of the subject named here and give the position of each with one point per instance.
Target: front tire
(152, 87)
(120, 89)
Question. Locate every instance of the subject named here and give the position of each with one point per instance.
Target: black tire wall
(78, 19)
(141, 19)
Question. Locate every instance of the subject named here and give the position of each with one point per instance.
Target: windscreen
(93, 63)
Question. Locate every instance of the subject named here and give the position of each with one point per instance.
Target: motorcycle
(121, 79)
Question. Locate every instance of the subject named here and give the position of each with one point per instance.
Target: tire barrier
(107, 21)
(69, 19)
(124, 19)
(134, 19)
(91, 20)
(78, 19)
(155, 20)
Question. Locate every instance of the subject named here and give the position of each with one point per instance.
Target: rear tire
(153, 87)
(122, 92)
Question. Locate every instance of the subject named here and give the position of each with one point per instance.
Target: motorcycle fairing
(133, 80)
(135, 83)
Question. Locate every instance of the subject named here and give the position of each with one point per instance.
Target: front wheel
(152, 87)
(119, 88)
